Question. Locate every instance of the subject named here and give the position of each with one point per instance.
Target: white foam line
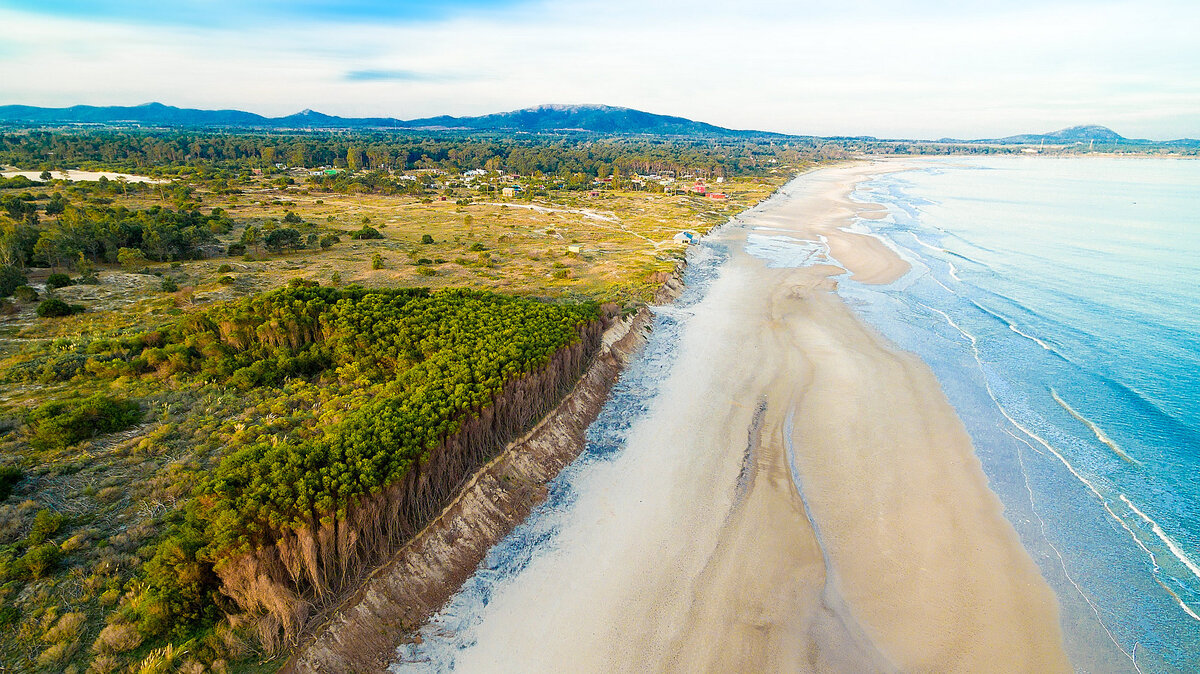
(1099, 432)
(1162, 535)
(934, 248)
(991, 394)
(953, 271)
(1062, 562)
(1091, 487)
(1031, 337)
(943, 285)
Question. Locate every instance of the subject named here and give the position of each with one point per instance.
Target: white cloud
(933, 70)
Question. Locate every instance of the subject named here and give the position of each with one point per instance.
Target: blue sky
(893, 69)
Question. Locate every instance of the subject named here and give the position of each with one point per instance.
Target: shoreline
(907, 560)
(919, 549)
(804, 500)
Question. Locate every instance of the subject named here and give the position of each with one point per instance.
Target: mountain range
(603, 119)
(587, 118)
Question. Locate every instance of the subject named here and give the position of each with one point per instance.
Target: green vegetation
(108, 234)
(56, 308)
(9, 477)
(61, 423)
(572, 156)
(25, 294)
(376, 387)
(56, 281)
(367, 232)
(11, 278)
(229, 444)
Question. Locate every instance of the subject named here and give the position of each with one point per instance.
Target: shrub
(9, 477)
(312, 240)
(336, 279)
(236, 249)
(367, 232)
(131, 258)
(60, 423)
(291, 218)
(54, 308)
(427, 271)
(66, 629)
(45, 524)
(328, 240)
(10, 278)
(224, 269)
(56, 653)
(225, 280)
(118, 638)
(103, 664)
(169, 285)
(424, 260)
(40, 560)
(377, 261)
(283, 239)
(426, 238)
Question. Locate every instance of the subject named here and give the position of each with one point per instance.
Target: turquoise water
(1058, 301)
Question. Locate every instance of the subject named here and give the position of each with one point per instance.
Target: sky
(923, 69)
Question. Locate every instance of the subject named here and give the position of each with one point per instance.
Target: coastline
(807, 501)
(803, 499)
(907, 560)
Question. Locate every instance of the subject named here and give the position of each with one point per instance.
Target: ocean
(1058, 302)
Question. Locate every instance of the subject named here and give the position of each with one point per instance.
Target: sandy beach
(799, 497)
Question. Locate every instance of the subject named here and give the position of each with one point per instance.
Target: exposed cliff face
(281, 583)
(362, 635)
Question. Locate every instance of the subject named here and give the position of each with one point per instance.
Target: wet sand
(799, 497)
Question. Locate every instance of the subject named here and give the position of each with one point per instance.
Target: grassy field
(103, 502)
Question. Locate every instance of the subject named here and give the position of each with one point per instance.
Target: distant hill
(544, 118)
(595, 118)
(1091, 134)
(1074, 134)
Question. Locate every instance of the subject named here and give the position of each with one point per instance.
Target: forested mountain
(596, 118)
(591, 118)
